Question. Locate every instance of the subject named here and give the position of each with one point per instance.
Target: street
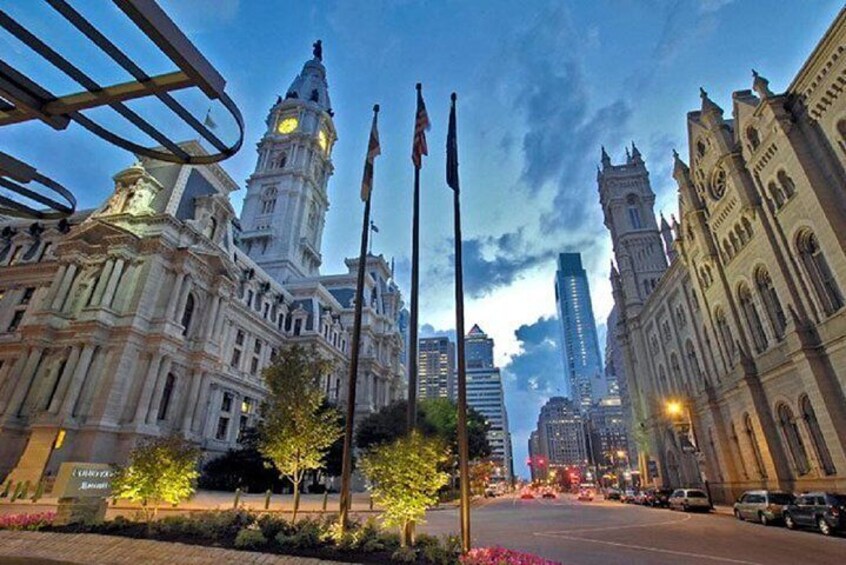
(601, 533)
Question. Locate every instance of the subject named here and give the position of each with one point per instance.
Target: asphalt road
(606, 533)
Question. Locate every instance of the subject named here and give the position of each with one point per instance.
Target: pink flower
(502, 556)
(26, 521)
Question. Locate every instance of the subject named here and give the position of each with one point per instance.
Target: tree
(295, 431)
(160, 470)
(405, 476)
(481, 472)
(244, 468)
(435, 418)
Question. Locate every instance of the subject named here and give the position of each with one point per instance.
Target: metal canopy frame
(22, 99)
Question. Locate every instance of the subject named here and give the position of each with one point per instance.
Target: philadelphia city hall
(156, 312)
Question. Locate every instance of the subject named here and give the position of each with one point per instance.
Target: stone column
(234, 419)
(191, 403)
(109, 294)
(64, 287)
(147, 388)
(54, 286)
(103, 279)
(64, 379)
(215, 394)
(183, 298)
(126, 284)
(77, 380)
(211, 321)
(157, 395)
(221, 316)
(16, 374)
(199, 417)
(174, 295)
(25, 382)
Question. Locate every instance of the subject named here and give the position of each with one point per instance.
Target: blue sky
(541, 86)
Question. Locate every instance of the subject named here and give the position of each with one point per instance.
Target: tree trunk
(296, 498)
(407, 534)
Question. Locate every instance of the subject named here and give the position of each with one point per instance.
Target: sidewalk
(108, 550)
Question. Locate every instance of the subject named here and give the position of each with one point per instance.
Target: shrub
(26, 521)
(404, 554)
(307, 534)
(250, 538)
(271, 525)
(433, 551)
(502, 556)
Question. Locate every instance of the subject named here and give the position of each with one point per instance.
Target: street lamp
(680, 416)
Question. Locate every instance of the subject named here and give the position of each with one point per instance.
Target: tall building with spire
(286, 202)
(583, 373)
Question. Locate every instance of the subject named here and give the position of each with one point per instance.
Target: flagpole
(415, 283)
(346, 467)
(463, 447)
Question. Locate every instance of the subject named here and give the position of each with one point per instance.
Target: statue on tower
(318, 50)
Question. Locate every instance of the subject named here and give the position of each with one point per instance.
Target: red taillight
(835, 511)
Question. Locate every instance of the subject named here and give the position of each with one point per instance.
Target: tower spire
(636, 157)
(606, 160)
(761, 85)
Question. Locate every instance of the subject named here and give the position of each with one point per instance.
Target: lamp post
(680, 416)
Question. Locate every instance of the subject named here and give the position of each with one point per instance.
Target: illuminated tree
(481, 472)
(295, 431)
(405, 479)
(161, 470)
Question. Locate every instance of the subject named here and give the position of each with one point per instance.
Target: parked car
(688, 499)
(527, 495)
(640, 497)
(611, 494)
(549, 493)
(658, 498)
(822, 510)
(627, 496)
(764, 506)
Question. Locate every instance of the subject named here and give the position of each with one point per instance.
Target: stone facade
(149, 316)
(744, 327)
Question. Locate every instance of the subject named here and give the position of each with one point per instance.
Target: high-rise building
(561, 433)
(486, 396)
(607, 432)
(478, 349)
(584, 378)
(436, 368)
(537, 461)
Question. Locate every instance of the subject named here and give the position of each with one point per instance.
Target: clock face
(323, 141)
(288, 125)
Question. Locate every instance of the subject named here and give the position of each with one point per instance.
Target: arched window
(790, 433)
(776, 194)
(676, 370)
(752, 136)
(841, 129)
(692, 360)
(736, 441)
(747, 227)
(741, 234)
(822, 279)
(771, 302)
(167, 394)
(187, 314)
(735, 245)
(634, 211)
(280, 161)
(820, 448)
(756, 449)
(268, 200)
(753, 321)
(787, 184)
(724, 334)
(663, 386)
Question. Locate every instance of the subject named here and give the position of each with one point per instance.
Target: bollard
(7, 490)
(39, 491)
(267, 499)
(237, 498)
(371, 502)
(325, 499)
(17, 494)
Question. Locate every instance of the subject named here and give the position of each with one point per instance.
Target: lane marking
(653, 549)
(679, 520)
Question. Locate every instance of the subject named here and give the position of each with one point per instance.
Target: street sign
(84, 480)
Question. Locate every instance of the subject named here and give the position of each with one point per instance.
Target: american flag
(373, 149)
(452, 149)
(421, 124)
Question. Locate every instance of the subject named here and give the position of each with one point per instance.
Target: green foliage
(160, 471)
(306, 534)
(250, 538)
(295, 432)
(405, 477)
(435, 418)
(245, 467)
(435, 552)
(271, 525)
(404, 554)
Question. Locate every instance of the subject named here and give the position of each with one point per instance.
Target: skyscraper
(561, 433)
(584, 378)
(485, 395)
(436, 366)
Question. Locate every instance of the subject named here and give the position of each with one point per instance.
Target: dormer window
(701, 148)
(752, 136)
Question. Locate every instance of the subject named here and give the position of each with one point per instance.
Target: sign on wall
(84, 480)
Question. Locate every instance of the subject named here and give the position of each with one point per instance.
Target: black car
(822, 510)
(658, 498)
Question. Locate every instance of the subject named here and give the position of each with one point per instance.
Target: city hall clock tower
(285, 206)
